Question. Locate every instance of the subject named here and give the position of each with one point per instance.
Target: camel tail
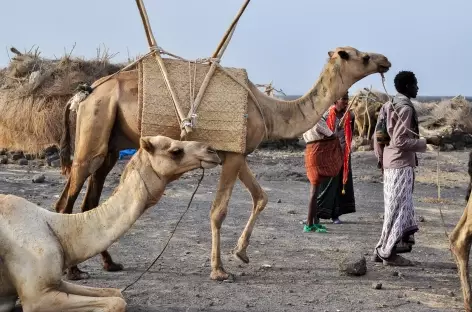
(65, 145)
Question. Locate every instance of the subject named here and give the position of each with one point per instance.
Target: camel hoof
(219, 275)
(74, 274)
(113, 267)
(241, 255)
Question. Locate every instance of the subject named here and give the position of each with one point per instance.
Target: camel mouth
(383, 68)
(208, 164)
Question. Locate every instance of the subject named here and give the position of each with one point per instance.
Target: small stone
(452, 294)
(17, 156)
(3, 160)
(56, 163)
(266, 266)
(376, 285)
(414, 289)
(279, 201)
(421, 219)
(290, 291)
(394, 273)
(353, 266)
(400, 274)
(51, 158)
(291, 212)
(39, 178)
(448, 147)
(23, 162)
(418, 302)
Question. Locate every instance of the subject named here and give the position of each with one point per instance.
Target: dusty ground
(303, 273)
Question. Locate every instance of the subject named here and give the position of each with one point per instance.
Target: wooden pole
(153, 45)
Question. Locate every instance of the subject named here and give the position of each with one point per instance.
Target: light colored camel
(37, 245)
(107, 121)
(461, 240)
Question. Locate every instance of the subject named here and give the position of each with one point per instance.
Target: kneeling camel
(37, 245)
(107, 121)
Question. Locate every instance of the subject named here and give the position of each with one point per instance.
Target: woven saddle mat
(221, 116)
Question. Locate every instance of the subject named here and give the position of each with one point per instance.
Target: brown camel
(461, 240)
(36, 245)
(107, 121)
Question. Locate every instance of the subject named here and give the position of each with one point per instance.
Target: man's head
(341, 104)
(406, 84)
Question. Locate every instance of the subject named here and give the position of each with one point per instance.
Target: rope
(437, 162)
(171, 235)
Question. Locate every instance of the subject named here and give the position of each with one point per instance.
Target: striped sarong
(399, 218)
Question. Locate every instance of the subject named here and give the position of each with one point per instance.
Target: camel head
(356, 64)
(171, 158)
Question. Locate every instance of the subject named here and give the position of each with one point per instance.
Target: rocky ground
(289, 270)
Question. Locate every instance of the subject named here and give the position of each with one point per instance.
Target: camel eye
(366, 58)
(176, 152)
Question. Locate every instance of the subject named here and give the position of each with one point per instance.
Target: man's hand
(434, 140)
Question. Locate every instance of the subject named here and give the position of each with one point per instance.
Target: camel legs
(259, 198)
(89, 291)
(229, 172)
(54, 300)
(92, 198)
(461, 239)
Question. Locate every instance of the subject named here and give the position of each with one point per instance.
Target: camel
(107, 121)
(37, 245)
(461, 240)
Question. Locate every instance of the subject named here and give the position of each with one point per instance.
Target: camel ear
(330, 53)
(343, 54)
(145, 143)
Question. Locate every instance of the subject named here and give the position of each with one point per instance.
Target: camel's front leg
(54, 300)
(259, 199)
(80, 290)
(231, 164)
(461, 238)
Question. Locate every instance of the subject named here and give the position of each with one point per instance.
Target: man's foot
(403, 247)
(375, 258)
(397, 260)
(336, 220)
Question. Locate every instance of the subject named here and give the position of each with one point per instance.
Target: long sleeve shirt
(403, 146)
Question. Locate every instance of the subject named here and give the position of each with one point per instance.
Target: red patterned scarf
(331, 122)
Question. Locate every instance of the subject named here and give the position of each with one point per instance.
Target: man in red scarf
(336, 194)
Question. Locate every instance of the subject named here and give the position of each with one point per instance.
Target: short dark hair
(404, 78)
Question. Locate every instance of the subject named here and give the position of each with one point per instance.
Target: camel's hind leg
(461, 238)
(259, 199)
(54, 300)
(231, 164)
(92, 198)
(7, 304)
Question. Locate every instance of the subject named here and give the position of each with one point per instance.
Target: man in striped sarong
(398, 159)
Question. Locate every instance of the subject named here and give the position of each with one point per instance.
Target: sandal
(314, 228)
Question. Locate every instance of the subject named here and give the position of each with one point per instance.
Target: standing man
(397, 159)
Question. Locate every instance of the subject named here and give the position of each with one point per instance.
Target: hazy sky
(283, 41)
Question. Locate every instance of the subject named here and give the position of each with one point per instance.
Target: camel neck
(94, 231)
(289, 119)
